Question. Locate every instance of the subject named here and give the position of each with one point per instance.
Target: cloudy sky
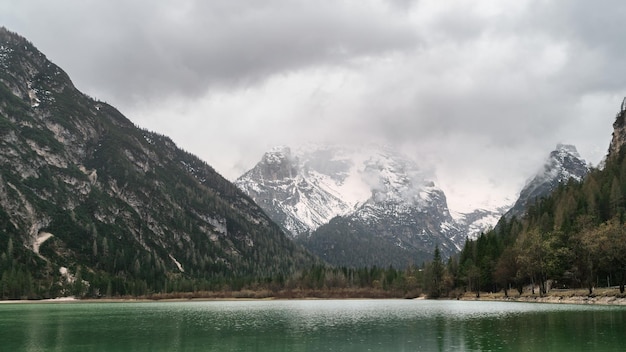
(482, 90)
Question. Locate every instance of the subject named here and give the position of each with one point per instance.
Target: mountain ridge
(97, 206)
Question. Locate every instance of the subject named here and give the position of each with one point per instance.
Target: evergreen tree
(435, 275)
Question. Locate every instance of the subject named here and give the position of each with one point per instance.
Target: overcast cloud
(482, 90)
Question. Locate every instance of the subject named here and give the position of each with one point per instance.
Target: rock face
(562, 165)
(124, 207)
(619, 131)
(302, 192)
(354, 206)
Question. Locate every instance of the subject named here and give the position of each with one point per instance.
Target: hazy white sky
(482, 90)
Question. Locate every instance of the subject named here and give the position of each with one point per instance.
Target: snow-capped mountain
(304, 190)
(563, 164)
(384, 208)
(374, 206)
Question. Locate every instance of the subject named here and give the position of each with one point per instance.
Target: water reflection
(347, 325)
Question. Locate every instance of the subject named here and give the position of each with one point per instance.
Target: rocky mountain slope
(91, 204)
(306, 190)
(354, 206)
(563, 164)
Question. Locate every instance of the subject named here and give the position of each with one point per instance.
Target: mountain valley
(93, 206)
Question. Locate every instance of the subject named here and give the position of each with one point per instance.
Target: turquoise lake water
(311, 325)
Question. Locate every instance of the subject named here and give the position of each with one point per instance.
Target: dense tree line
(142, 278)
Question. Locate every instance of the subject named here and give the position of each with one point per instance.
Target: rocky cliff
(619, 131)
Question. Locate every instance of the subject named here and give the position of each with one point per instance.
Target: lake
(311, 325)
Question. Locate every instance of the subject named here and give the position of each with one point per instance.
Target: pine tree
(436, 275)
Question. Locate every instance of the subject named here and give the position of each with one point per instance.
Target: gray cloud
(482, 89)
(149, 49)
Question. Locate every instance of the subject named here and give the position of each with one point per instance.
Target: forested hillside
(91, 205)
(576, 237)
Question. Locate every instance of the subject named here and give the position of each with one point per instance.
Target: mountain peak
(303, 189)
(566, 149)
(565, 163)
(352, 205)
(278, 157)
(562, 165)
(279, 151)
(27, 73)
(276, 164)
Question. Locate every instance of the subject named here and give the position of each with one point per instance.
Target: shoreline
(600, 296)
(581, 300)
(577, 300)
(604, 296)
